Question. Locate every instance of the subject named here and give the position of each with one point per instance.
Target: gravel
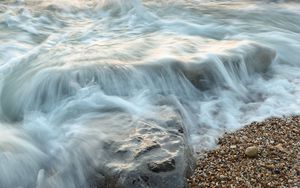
(276, 164)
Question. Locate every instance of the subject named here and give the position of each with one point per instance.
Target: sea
(77, 76)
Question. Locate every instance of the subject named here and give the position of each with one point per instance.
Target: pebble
(279, 147)
(251, 151)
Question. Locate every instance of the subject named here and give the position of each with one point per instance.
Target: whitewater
(125, 93)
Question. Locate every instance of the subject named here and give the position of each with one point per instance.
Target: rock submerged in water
(164, 166)
(251, 151)
(153, 153)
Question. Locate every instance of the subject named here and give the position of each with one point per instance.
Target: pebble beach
(274, 161)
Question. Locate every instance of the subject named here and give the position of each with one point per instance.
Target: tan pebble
(251, 151)
(280, 147)
(270, 166)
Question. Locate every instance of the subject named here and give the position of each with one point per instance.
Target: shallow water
(75, 75)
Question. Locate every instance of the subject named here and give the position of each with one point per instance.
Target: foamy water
(76, 75)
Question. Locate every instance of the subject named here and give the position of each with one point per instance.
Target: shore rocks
(153, 154)
(265, 154)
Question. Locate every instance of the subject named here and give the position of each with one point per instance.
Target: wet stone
(163, 166)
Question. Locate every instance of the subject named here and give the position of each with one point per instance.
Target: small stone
(279, 147)
(233, 147)
(276, 171)
(270, 167)
(251, 152)
(222, 177)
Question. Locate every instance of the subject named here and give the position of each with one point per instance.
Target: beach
(276, 163)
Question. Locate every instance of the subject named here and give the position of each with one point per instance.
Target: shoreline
(276, 163)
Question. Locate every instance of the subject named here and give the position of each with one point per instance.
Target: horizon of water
(76, 74)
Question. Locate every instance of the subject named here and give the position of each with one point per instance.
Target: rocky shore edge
(262, 154)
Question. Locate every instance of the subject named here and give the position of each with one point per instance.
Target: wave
(41, 89)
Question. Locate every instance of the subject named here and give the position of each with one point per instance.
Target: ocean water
(76, 74)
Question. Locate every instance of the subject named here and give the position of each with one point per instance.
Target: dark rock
(276, 171)
(150, 154)
(145, 178)
(163, 166)
(180, 130)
